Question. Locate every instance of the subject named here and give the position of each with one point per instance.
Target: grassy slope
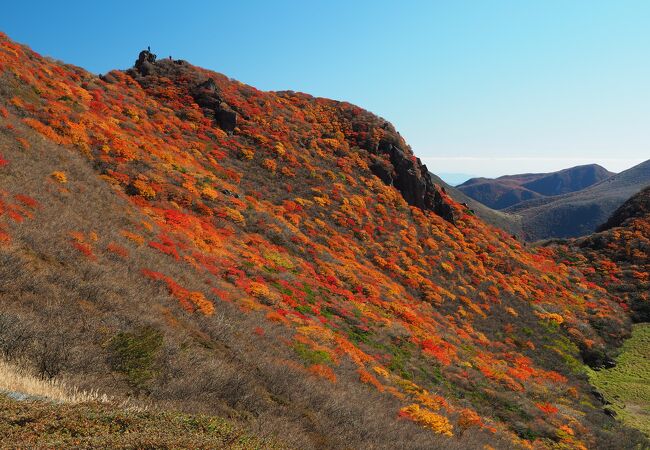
(627, 386)
(223, 368)
(38, 424)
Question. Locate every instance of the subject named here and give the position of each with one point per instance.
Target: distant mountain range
(509, 190)
(499, 219)
(569, 203)
(581, 212)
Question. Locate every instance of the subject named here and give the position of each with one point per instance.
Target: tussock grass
(19, 380)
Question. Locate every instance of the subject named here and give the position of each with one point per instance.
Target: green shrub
(134, 354)
(311, 356)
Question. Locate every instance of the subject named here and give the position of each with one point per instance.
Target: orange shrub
(439, 424)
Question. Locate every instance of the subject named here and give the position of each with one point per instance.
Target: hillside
(170, 234)
(580, 213)
(506, 222)
(637, 206)
(618, 258)
(510, 190)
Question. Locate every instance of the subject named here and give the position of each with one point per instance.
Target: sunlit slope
(285, 259)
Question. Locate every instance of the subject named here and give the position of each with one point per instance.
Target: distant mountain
(507, 222)
(580, 213)
(509, 190)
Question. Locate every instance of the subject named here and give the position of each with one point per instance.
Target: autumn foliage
(283, 216)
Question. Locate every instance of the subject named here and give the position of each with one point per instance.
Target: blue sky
(482, 87)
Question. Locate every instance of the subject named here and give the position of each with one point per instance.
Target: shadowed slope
(637, 206)
(495, 218)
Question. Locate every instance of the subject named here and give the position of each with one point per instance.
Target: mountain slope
(618, 258)
(491, 216)
(637, 206)
(581, 212)
(510, 190)
(173, 234)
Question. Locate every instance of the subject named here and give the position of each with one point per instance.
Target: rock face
(412, 179)
(206, 95)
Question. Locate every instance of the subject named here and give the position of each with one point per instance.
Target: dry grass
(34, 424)
(16, 379)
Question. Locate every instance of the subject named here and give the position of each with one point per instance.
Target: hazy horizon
(474, 167)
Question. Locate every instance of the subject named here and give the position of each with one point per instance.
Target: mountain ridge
(509, 190)
(581, 212)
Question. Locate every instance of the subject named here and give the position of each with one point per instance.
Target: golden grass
(16, 379)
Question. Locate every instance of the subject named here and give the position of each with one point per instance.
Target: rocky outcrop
(206, 95)
(204, 92)
(144, 63)
(393, 162)
(412, 179)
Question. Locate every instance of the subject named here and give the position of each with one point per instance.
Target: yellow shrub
(439, 424)
(235, 216)
(553, 317)
(246, 154)
(204, 305)
(209, 193)
(279, 149)
(144, 189)
(133, 237)
(60, 177)
(322, 201)
(270, 165)
(259, 290)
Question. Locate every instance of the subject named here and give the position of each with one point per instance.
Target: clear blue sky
(484, 87)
